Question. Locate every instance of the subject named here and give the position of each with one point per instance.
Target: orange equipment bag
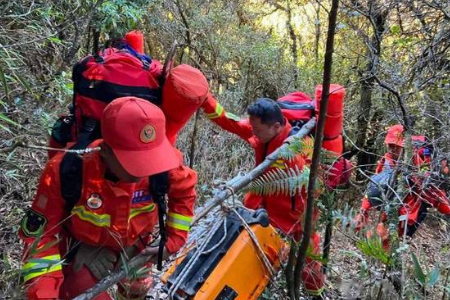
(230, 267)
(335, 110)
(185, 89)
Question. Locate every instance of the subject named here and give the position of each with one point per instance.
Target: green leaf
(5, 128)
(286, 182)
(124, 264)
(373, 247)
(8, 120)
(434, 276)
(3, 79)
(6, 263)
(418, 270)
(25, 84)
(55, 40)
(395, 29)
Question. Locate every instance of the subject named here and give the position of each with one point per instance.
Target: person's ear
(277, 126)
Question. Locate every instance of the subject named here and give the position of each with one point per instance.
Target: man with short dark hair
(265, 130)
(69, 249)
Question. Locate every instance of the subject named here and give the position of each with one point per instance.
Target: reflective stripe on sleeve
(232, 116)
(96, 219)
(217, 113)
(39, 266)
(136, 211)
(179, 221)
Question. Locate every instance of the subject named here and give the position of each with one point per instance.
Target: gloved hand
(100, 261)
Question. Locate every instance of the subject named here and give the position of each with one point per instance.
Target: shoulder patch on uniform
(33, 223)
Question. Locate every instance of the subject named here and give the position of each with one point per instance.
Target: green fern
(304, 146)
(286, 182)
(373, 247)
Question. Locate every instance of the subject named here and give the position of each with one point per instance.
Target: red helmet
(395, 135)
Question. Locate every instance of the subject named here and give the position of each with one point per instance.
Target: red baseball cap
(135, 129)
(394, 135)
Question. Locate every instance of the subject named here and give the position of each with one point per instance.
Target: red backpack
(98, 80)
(297, 107)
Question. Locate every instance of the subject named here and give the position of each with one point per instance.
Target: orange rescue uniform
(108, 214)
(285, 212)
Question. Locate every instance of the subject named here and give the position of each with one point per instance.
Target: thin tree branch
(317, 147)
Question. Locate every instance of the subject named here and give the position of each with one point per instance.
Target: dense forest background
(392, 57)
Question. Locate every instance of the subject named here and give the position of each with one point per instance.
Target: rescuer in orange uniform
(420, 197)
(67, 252)
(265, 130)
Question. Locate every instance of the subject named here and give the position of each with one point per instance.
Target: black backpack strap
(159, 186)
(71, 167)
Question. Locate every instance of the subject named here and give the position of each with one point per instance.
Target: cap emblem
(148, 134)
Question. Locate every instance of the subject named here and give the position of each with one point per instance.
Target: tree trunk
(378, 21)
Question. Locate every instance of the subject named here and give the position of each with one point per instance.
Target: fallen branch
(232, 186)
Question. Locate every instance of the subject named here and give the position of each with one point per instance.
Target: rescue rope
(258, 246)
(76, 151)
(266, 261)
(176, 285)
(225, 232)
(23, 144)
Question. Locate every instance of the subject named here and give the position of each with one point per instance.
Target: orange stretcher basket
(234, 270)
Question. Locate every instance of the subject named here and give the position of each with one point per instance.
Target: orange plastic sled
(235, 270)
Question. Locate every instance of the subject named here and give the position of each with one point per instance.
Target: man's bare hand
(153, 251)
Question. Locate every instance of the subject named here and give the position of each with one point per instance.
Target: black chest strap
(159, 186)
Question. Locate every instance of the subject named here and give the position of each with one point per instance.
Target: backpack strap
(145, 59)
(71, 167)
(159, 186)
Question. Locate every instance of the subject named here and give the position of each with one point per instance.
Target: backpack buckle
(89, 125)
(145, 64)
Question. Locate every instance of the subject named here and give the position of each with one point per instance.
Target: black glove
(100, 261)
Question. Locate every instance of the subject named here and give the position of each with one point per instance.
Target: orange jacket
(108, 214)
(285, 212)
